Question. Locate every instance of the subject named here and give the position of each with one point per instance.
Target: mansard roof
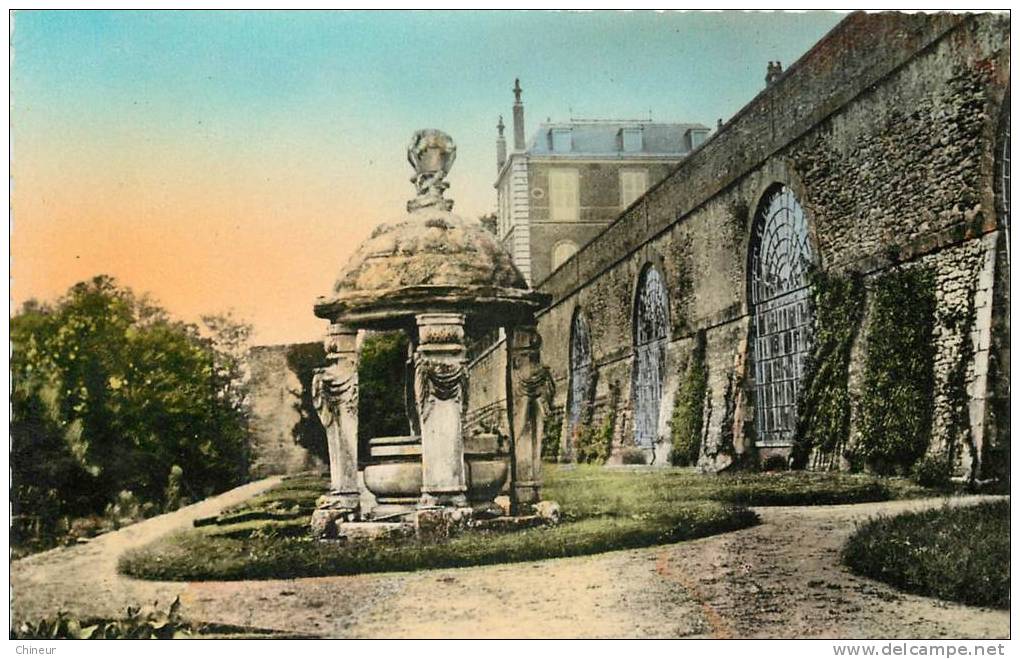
(604, 137)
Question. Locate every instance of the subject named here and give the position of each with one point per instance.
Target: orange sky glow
(232, 161)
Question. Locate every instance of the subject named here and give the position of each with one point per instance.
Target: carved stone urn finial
(431, 153)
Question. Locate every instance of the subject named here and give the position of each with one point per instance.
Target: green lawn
(953, 553)
(603, 509)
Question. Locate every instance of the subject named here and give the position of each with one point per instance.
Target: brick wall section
(886, 131)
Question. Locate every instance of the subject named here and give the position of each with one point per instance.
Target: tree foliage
(110, 394)
(381, 405)
(381, 377)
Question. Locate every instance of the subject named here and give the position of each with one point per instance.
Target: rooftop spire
(500, 145)
(518, 117)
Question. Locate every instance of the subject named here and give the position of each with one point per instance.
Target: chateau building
(558, 191)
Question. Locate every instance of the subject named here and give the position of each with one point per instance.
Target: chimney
(772, 73)
(518, 117)
(500, 145)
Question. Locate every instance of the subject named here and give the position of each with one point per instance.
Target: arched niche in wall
(650, 333)
(579, 394)
(782, 323)
(562, 251)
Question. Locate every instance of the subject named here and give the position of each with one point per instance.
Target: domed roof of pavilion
(432, 260)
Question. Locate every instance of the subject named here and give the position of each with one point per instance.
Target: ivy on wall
(689, 408)
(823, 411)
(594, 442)
(551, 436)
(961, 322)
(897, 400)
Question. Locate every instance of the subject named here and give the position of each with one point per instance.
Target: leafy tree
(381, 374)
(111, 394)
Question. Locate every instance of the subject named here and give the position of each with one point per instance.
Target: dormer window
(561, 140)
(694, 137)
(632, 139)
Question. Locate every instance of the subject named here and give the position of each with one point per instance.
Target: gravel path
(83, 579)
(779, 579)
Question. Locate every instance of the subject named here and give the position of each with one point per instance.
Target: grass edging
(957, 553)
(603, 510)
(195, 555)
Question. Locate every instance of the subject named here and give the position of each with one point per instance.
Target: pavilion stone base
(430, 524)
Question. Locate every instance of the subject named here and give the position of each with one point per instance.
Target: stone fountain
(438, 277)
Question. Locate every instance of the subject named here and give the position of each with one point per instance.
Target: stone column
(530, 389)
(439, 374)
(335, 395)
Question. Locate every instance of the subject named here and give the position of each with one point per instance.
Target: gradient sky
(234, 160)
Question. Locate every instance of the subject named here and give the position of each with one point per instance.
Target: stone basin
(393, 469)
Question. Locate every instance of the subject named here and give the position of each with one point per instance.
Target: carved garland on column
(436, 380)
(331, 391)
(538, 382)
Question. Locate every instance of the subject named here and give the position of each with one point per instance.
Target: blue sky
(296, 123)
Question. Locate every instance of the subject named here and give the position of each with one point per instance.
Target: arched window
(580, 373)
(651, 329)
(782, 326)
(562, 251)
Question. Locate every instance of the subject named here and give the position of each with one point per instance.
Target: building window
(562, 140)
(694, 137)
(581, 391)
(563, 195)
(633, 184)
(651, 329)
(781, 330)
(563, 251)
(632, 140)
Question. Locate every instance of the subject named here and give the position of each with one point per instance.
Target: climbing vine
(689, 408)
(897, 400)
(823, 411)
(551, 436)
(938, 469)
(595, 441)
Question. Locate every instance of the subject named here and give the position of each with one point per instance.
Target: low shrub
(595, 442)
(633, 456)
(139, 623)
(551, 437)
(775, 463)
(934, 471)
(953, 553)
